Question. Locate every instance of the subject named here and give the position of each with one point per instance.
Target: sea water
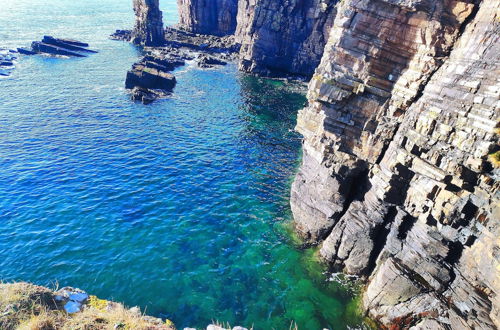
(180, 207)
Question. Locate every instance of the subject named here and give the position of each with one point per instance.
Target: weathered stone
(40, 47)
(283, 37)
(150, 79)
(72, 45)
(146, 76)
(148, 29)
(216, 17)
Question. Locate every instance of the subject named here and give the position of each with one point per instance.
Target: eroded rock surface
(395, 183)
(58, 47)
(148, 29)
(283, 37)
(217, 17)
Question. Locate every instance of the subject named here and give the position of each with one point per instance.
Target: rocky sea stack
(148, 29)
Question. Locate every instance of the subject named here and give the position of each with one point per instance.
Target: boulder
(145, 76)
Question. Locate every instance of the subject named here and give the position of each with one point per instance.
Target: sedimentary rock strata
(395, 182)
(148, 29)
(216, 17)
(399, 177)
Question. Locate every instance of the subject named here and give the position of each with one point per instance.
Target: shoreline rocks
(149, 78)
(278, 38)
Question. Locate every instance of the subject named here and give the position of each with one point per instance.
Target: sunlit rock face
(148, 28)
(395, 183)
(215, 17)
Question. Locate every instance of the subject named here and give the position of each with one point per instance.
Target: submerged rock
(7, 64)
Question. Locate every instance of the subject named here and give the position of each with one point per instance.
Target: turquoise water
(180, 207)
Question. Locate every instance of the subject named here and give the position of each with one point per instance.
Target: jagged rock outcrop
(282, 37)
(148, 29)
(395, 182)
(216, 17)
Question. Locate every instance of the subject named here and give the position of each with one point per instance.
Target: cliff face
(148, 29)
(283, 36)
(395, 182)
(277, 37)
(216, 17)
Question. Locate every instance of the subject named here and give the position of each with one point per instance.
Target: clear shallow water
(179, 207)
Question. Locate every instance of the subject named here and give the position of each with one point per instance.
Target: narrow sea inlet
(179, 207)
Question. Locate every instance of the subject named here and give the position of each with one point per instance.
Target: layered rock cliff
(395, 183)
(148, 29)
(215, 17)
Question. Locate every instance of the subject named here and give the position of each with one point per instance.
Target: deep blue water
(179, 207)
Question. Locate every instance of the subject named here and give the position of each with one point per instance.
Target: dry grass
(30, 307)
